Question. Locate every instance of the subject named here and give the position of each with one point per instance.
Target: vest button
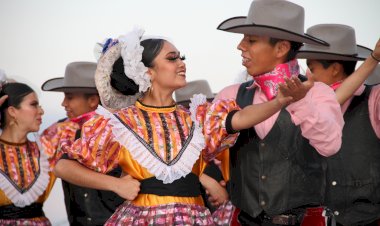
(336, 213)
(89, 219)
(334, 183)
(263, 177)
(262, 144)
(262, 203)
(85, 195)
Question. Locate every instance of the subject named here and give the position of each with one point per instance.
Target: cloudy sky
(40, 37)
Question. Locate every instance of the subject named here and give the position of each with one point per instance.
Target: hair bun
(120, 81)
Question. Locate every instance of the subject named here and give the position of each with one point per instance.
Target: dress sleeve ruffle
(96, 149)
(51, 137)
(212, 118)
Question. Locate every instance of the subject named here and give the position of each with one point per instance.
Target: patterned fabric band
(188, 186)
(268, 82)
(13, 212)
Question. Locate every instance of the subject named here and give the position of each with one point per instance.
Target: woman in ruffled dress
(161, 144)
(25, 176)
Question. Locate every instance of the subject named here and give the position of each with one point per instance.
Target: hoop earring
(13, 121)
(151, 90)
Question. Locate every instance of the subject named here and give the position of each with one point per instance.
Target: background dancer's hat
(183, 95)
(342, 42)
(374, 78)
(79, 78)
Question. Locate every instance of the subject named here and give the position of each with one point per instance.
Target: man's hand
(127, 187)
(217, 194)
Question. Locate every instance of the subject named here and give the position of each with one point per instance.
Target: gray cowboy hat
(342, 42)
(79, 78)
(273, 18)
(183, 95)
(374, 78)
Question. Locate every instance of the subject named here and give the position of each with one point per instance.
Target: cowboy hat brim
(238, 25)
(363, 53)
(57, 85)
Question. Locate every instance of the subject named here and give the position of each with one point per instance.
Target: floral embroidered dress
(163, 148)
(25, 183)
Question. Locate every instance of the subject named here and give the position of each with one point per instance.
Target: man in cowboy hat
(84, 206)
(277, 168)
(353, 175)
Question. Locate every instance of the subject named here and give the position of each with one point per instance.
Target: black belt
(14, 212)
(188, 186)
(282, 219)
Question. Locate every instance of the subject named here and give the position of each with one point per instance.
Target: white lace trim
(110, 97)
(195, 101)
(164, 172)
(37, 189)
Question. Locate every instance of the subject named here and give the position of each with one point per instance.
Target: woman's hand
(215, 190)
(3, 99)
(293, 90)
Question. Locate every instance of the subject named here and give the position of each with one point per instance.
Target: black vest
(353, 175)
(86, 206)
(276, 174)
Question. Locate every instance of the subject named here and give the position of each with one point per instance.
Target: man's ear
(337, 69)
(94, 101)
(282, 48)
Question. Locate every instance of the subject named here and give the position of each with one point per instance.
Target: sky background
(39, 38)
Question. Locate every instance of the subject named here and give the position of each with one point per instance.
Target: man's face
(319, 73)
(77, 104)
(259, 56)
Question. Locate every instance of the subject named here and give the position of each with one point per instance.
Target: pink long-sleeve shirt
(318, 114)
(373, 106)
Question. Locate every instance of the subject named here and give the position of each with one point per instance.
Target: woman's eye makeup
(176, 57)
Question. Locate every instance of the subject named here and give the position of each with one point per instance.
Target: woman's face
(169, 70)
(29, 113)
(258, 54)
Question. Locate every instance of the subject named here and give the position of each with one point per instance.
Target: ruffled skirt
(40, 221)
(171, 214)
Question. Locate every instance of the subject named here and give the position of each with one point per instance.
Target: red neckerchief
(268, 82)
(336, 85)
(83, 118)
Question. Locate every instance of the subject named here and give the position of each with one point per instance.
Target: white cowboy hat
(79, 78)
(342, 42)
(273, 18)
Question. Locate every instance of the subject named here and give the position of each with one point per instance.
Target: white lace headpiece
(130, 49)
(131, 52)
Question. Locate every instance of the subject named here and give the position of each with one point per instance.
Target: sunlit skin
(77, 104)
(167, 74)
(328, 75)
(259, 56)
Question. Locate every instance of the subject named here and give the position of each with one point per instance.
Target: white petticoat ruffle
(139, 149)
